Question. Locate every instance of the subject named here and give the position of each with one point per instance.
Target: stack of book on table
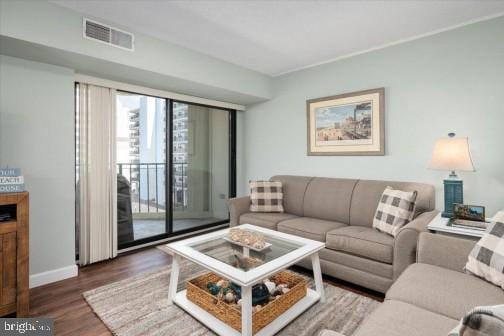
(11, 180)
(469, 224)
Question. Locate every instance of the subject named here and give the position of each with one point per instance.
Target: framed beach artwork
(347, 124)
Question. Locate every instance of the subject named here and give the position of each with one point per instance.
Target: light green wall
(52, 34)
(453, 81)
(37, 135)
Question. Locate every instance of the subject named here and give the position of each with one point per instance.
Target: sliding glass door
(175, 167)
(200, 165)
(141, 167)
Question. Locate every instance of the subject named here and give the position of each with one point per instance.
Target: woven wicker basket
(197, 293)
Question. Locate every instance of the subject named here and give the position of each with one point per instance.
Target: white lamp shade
(451, 154)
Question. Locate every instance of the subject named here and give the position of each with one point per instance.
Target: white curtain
(97, 174)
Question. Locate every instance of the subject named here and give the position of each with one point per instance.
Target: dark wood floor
(63, 301)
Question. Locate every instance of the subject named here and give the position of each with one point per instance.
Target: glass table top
(234, 255)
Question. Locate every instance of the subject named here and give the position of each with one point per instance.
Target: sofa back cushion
(329, 199)
(367, 193)
(347, 201)
(294, 188)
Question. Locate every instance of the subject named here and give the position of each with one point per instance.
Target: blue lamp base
(453, 193)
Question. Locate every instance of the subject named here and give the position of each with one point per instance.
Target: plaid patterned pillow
(486, 260)
(396, 209)
(482, 321)
(266, 196)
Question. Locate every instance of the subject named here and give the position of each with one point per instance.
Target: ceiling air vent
(105, 34)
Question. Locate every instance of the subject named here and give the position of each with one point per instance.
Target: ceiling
(276, 37)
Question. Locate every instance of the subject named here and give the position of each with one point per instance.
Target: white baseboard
(58, 274)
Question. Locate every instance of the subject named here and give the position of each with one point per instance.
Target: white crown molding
(58, 274)
(386, 45)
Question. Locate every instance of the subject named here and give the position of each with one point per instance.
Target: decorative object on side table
(347, 124)
(469, 212)
(452, 154)
(469, 216)
(11, 180)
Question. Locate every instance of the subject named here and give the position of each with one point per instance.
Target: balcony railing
(148, 186)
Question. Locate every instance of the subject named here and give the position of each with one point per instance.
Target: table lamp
(452, 154)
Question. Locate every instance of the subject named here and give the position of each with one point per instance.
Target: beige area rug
(139, 306)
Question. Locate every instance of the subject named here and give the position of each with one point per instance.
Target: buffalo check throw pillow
(486, 260)
(266, 196)
(481, 321)
(396, 209)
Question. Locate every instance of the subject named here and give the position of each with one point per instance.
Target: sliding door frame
(169, 168)
(169, 172)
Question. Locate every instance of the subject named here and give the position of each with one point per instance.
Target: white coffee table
(207, 250)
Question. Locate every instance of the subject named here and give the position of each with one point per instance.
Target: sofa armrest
(405, 243)
(237, 206)
(444, 251)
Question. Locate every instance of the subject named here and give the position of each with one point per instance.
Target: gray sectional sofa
(432, 295)
(340, 213)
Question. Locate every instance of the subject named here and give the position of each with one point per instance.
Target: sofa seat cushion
(444, 291)
(307, 227)
(362, 241)
(268, 220)
(396, 318)
(358, 263)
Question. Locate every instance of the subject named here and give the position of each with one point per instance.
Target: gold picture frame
(347, 124)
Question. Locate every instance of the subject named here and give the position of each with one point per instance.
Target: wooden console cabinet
(14, 245)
